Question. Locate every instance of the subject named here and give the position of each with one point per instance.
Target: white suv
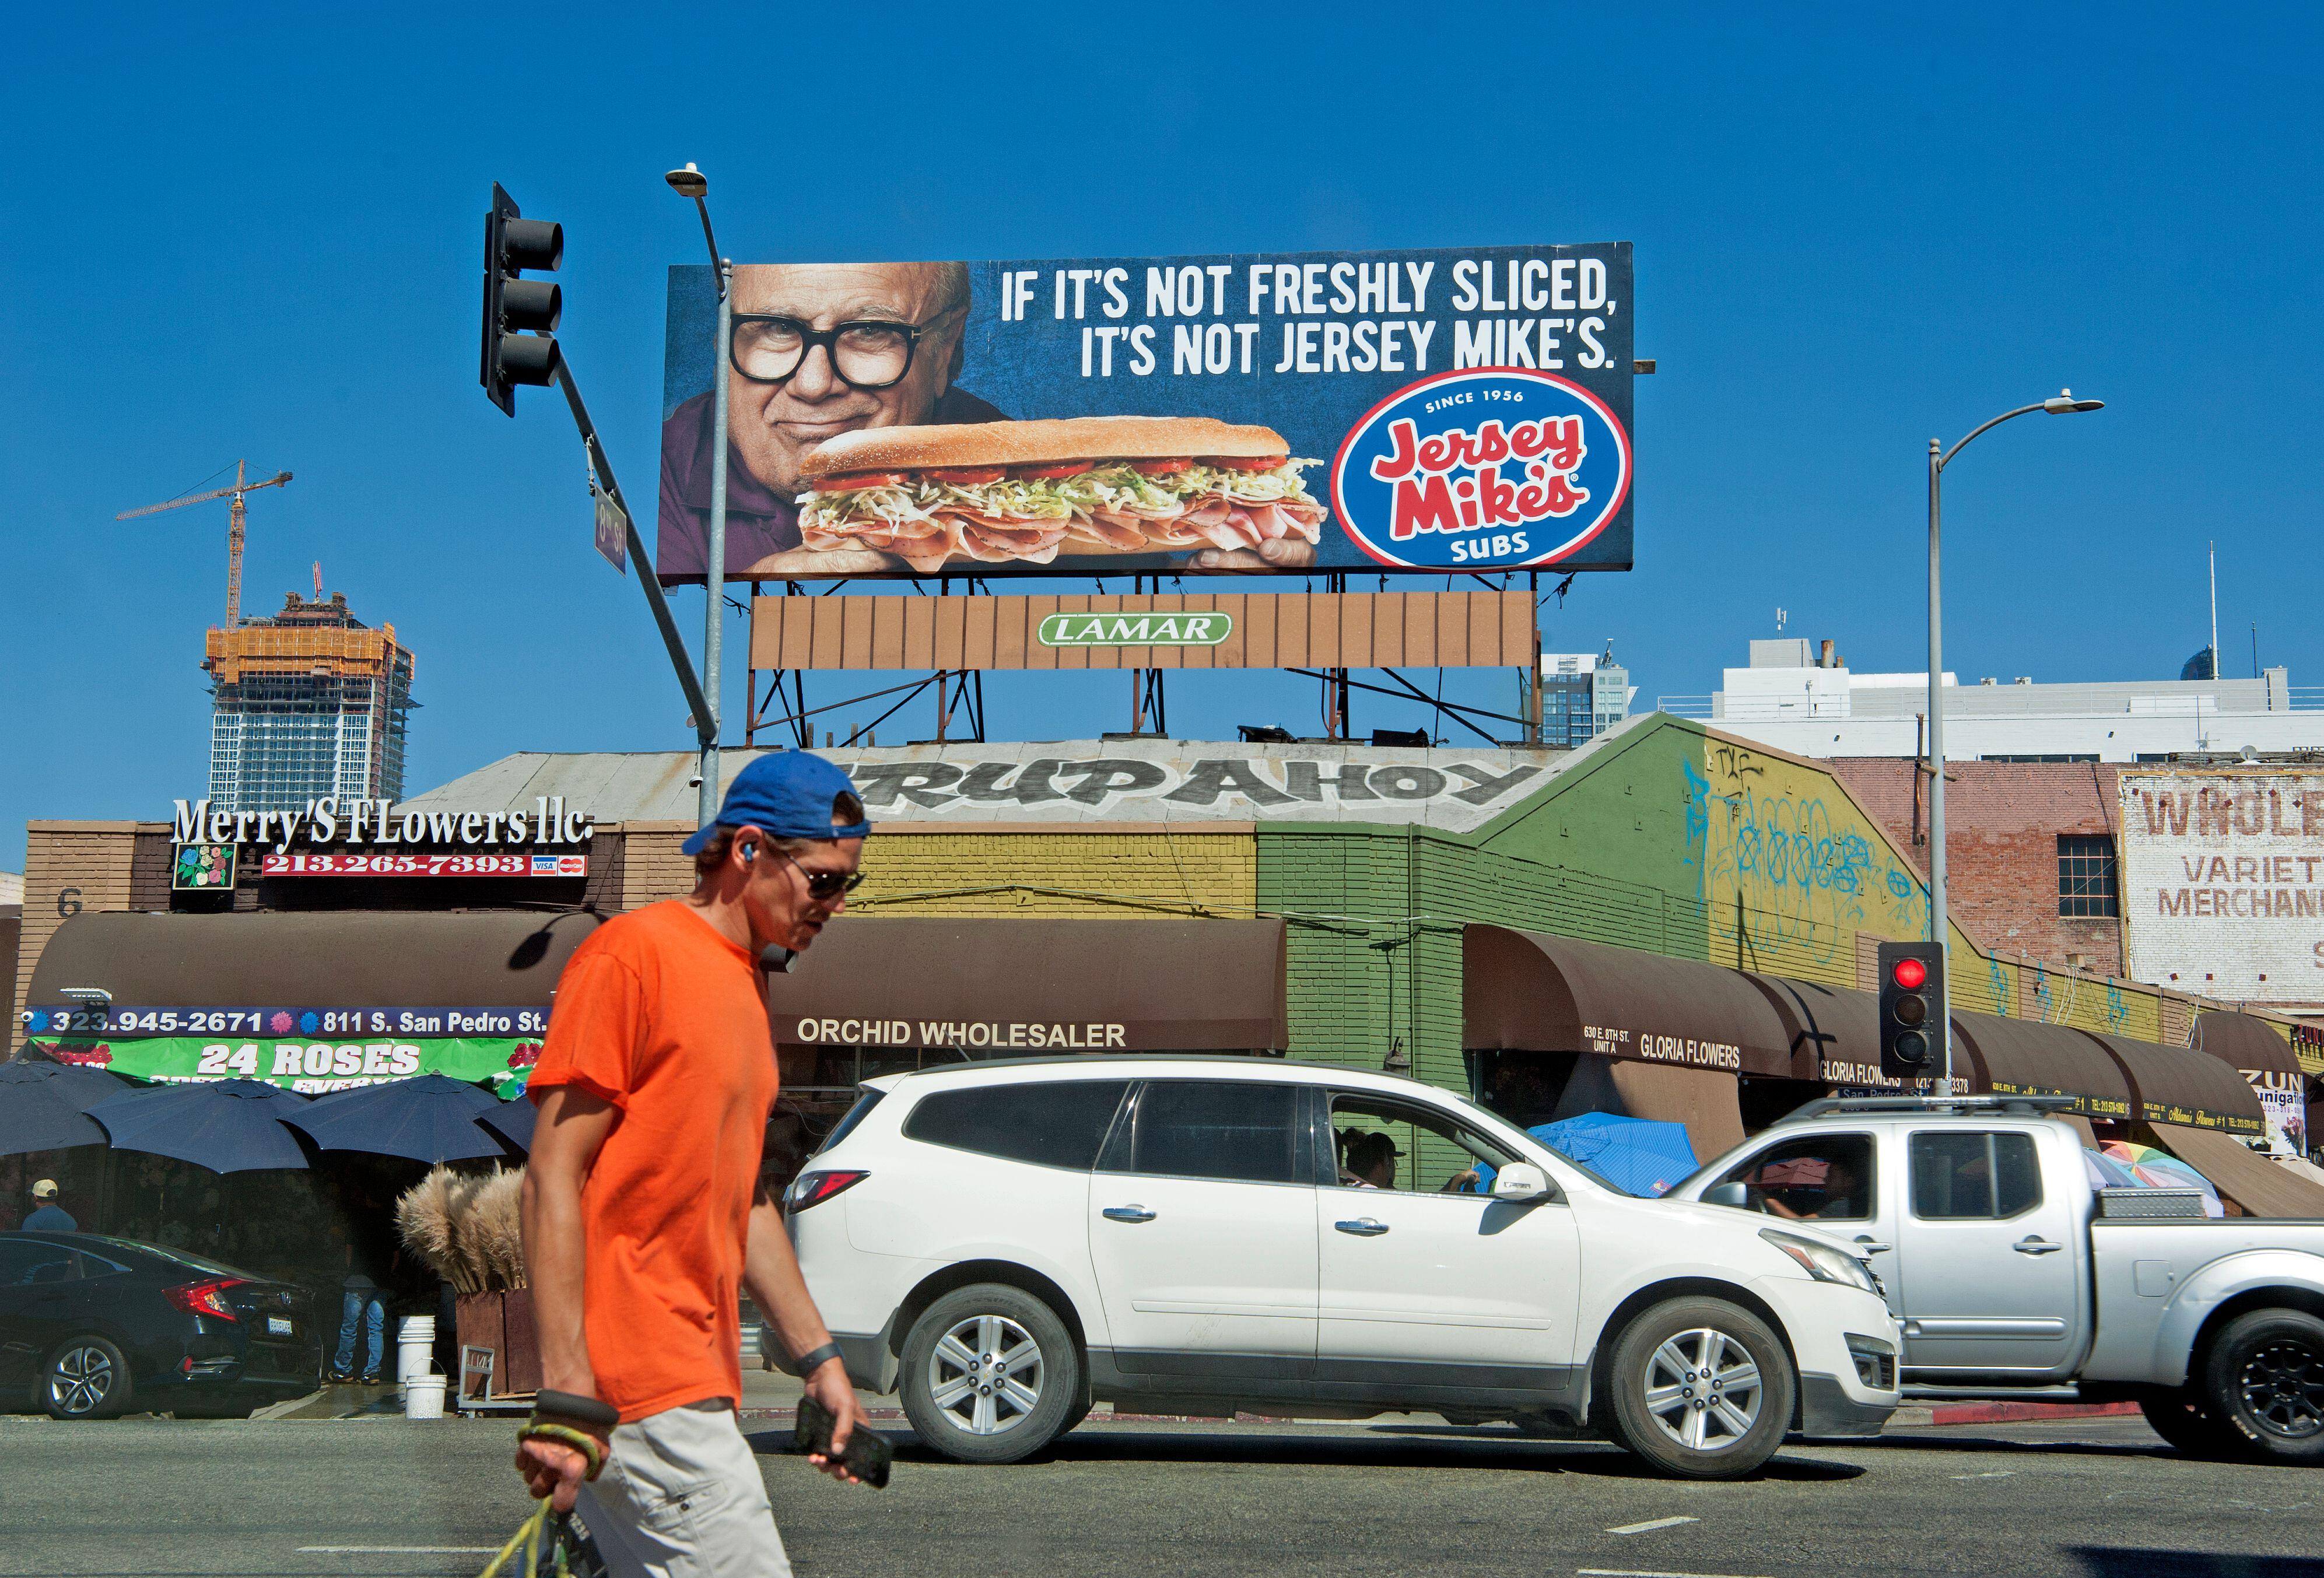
(1006, 1243)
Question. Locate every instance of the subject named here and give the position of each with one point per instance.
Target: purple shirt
(758, 520)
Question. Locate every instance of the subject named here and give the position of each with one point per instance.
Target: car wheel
(2264, 1380)
(2180, 1418)
(990, 1374)
(86, 1378)
(1701, 1389)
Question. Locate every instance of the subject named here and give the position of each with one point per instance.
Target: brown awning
(490, 958)
(2245, 1043)
(2026, 1057)
(1529, 991)
(1707, 1103)
(2171, 1084)
(2252, 1181)
(1036, 985)
(1834, 1030)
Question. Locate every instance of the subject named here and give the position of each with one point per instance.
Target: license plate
(278, 1325)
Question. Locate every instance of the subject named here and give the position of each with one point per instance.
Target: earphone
(750, 852)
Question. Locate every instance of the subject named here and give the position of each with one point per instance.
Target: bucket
(415, 1346)
(423, 1397)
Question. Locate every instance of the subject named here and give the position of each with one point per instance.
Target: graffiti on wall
(1809, 865)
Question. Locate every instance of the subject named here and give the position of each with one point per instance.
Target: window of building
(2092, 756)
(2087, 888)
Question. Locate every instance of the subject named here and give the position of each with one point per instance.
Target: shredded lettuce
(1113, 485)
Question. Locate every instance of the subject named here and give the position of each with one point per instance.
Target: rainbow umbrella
(2158, 1169)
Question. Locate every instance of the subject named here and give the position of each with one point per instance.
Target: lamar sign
(1136, 629)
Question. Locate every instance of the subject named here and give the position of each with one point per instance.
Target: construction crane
(234, 531)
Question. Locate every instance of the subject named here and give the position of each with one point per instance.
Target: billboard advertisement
(1435, 412)
(2223, 882)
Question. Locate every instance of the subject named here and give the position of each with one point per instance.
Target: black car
(91, 1326)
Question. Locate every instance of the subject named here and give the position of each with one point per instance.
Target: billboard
(2223, 882)
(1425, 412)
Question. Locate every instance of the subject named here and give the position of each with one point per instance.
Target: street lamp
(2062, 403)
(690, 182)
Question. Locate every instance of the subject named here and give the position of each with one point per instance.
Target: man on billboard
(820, 349)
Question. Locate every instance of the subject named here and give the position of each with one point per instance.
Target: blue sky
(254, 231)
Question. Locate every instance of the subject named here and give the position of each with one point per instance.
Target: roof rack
(2023, 1106)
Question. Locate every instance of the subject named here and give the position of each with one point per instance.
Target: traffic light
(1911, 1005)
(513, 304)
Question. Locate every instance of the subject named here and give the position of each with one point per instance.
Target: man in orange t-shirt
(642, 1215)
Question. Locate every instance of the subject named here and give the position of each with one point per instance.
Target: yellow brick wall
(1042, 871)
(653, 865)
(91, 857)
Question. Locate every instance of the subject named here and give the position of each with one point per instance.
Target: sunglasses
(824, 886)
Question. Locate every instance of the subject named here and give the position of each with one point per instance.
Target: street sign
(612, 530)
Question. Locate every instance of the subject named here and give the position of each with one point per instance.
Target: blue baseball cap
(790, 794)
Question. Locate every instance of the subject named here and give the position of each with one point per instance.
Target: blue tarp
(1637, 1154)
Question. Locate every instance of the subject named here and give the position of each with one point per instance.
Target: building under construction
(309, 701)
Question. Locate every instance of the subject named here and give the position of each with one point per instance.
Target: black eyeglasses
(865, 353)
(824, 886)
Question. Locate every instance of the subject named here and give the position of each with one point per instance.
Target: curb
(2006, 1413)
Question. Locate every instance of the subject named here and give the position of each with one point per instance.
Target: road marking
(1651, 1573)
(1652, 1525)
(1990, 1475)
(399, 1550)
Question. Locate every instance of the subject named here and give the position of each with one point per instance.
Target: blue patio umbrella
(39, 1115)
(1638, 1153)
(512, 1121)
(227, 1125)
(430, 1119)
(84, 1087)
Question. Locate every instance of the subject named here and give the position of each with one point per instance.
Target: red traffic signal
(1912, 990)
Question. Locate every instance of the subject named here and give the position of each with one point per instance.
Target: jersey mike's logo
(1494, 468)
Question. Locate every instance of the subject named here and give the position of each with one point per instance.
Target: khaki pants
(681, 1497)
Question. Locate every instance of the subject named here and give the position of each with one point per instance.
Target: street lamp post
(690, 182)
(2062, 403)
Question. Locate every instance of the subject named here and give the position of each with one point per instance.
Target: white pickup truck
(2013, 1277)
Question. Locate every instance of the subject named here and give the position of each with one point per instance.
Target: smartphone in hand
(867, 1454)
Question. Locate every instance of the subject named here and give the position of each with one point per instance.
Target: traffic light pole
(705, 721)
(1937, 765)
(2062, 404)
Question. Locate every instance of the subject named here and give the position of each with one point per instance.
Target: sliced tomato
(1063, 468)
(1244, 462)
(1160, 467)
(970, 475)
(856, 481)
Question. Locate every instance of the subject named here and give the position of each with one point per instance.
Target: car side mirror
(1520, 1180)
(1738, 1195)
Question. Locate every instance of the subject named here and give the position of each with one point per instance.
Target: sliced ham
(1110, 529)
(927, 555)
(1305, 516)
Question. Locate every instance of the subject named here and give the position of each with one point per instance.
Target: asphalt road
(352, 1500)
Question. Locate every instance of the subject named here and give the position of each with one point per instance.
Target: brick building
(1376, 865)
(2031, 845)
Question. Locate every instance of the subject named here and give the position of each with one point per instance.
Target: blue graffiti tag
(1808, 882)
